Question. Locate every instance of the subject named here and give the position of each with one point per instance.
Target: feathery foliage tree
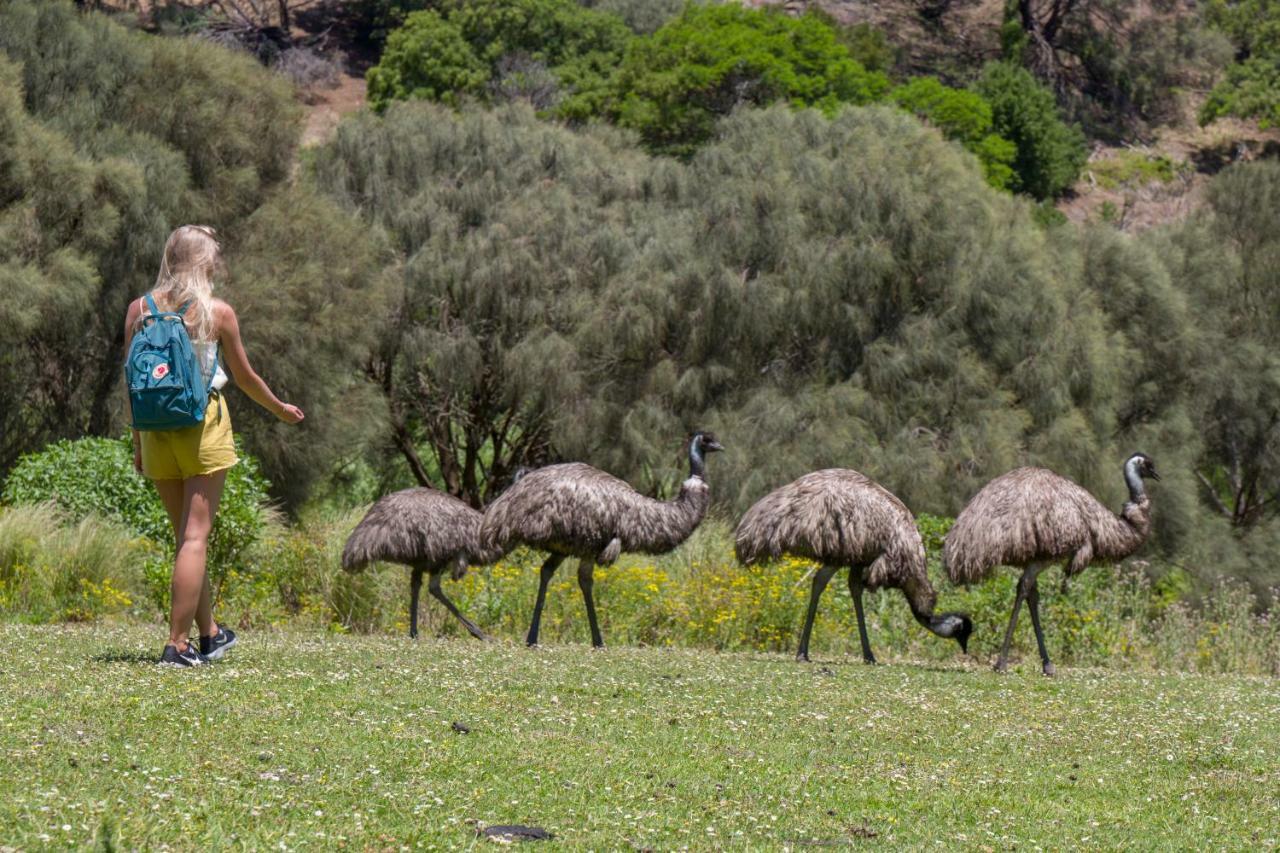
(507, 228)
(566, 297)
(1231, 260)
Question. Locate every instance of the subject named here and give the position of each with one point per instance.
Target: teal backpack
(166, 386)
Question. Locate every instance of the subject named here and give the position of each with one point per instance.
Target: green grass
(322, 741)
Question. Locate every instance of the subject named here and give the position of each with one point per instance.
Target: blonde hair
(186, 275)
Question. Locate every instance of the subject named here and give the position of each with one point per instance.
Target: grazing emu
(1031, 517)
(841, 518)
(426, 530)
(574, 510)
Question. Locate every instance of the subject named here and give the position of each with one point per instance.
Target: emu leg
(1025, 583)
(415, 586)
(855, 590)
(586, 581)
(548, 569)
(820, 579)
(434, 586)
(1033, 605)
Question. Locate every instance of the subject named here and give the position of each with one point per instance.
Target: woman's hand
(290, 414)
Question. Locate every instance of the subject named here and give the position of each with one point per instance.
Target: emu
(842, 518)
(1032, 517)
(574, 510)
(427, 530)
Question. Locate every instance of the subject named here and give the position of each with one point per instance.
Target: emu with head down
(839, 518)
(424, 529)
(574, 510)
(1031, 517)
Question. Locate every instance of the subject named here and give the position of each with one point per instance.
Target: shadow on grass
(125, 657)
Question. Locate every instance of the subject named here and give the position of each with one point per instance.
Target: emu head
(704, 441)
(1143, 466)
(958, 627)
(700, 443)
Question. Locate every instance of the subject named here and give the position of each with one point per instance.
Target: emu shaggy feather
(576, 510)
(841, 517)
(428, 531)
(418, 526)
(1032, 514)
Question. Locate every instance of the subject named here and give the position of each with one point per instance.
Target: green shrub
(1251, 89)
(962, 116)
(54, 569)
(459, 48)
(95, 476)
(673, 85)
(426, 58)
(1050, 153)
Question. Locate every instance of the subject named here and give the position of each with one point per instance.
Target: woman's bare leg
(199, 504)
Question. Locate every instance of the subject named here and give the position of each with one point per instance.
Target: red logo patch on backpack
(160, 371)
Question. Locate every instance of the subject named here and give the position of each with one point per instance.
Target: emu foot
(1002, 666)
(802, 657)
(1049, 670)
(869, 660)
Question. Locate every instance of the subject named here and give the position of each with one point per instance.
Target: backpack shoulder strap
(151, 303)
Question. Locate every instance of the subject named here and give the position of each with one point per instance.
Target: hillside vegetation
(614, 226)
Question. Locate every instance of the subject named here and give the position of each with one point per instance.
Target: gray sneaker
(216, 646)
(190, 657)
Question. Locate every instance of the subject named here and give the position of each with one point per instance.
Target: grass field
(331, 741)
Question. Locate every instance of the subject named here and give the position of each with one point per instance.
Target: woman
(190, 465)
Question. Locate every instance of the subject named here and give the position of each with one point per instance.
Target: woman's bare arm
(246, 378)
(130, 325)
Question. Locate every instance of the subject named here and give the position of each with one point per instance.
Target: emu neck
(1137, 494)
(697, 462)
(922, 600)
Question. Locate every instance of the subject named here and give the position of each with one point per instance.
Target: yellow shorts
(176, 454)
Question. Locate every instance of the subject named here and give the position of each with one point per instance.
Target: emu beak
(713, 445)
(1151, 472)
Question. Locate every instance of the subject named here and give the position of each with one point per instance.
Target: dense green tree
(459, 48)
(428, 58)
(1050, 153)
(962, 116)
(674, 85)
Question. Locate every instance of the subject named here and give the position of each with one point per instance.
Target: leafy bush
(54, 569)
(456, 50)
(673, 85)
(427, 58)
(963, 117)
(95, 476)
(1251, 89)
(1050, 153)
